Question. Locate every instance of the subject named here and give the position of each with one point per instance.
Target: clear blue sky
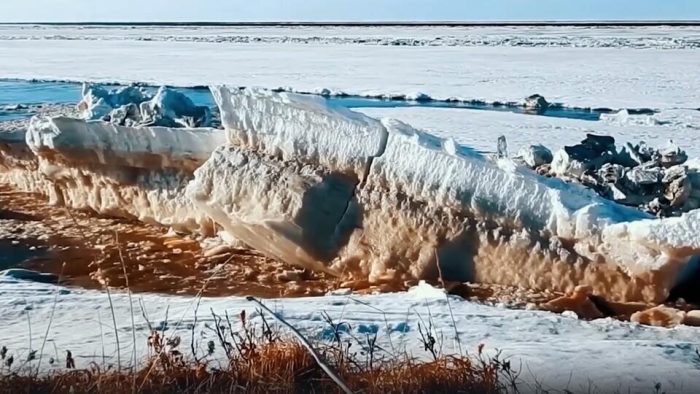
(344, 10)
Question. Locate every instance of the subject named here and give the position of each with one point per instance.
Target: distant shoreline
(375, 24)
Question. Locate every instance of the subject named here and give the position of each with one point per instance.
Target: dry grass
(261, 360)
(284, 367)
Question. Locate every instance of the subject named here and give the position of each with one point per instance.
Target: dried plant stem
(102, 338)
(321, 362)
(116, 331)
(449, 306)
(53, 309)
(182, 317)
(131, 309)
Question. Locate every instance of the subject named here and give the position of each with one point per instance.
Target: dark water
(569, 113)
(14, 254)
(29, 92)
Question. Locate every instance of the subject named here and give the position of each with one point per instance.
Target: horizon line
(582, 23)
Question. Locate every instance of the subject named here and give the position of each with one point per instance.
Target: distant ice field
(660, 37)
(578, 71)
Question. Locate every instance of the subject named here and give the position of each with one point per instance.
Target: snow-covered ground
(481, 129)
(617, 77)
(557, 351)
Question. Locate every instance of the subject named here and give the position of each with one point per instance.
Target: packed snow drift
(325, 188)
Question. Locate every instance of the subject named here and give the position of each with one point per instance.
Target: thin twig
(449, 306)
(116, 332)
(326, 368)
(102, 339)
(29, 322)
(53, 309)
(131, 308)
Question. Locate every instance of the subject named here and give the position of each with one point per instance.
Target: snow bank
(612, 353)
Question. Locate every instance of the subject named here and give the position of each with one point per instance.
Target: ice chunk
(97, 102)
(566, 165)
(578, 302)
(535, 155)
(659, 316)
(298, 127)
(536, 102)
(170, 106)
(672, 155)
(133, 105)
(123, 171)
(289, 210)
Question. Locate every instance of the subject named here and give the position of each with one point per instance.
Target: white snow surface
(480, 129)
(588, 76)
(556, 350)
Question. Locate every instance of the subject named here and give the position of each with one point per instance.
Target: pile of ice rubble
(661, 182)
(322, 187)
(135, 106)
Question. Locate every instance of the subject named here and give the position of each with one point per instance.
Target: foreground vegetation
(260, 359)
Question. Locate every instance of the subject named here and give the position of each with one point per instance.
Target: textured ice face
(298, 127)
(427, 199)
(289, 210)
(108, 144)
(134, 172)
(422, 199)
(18, 165)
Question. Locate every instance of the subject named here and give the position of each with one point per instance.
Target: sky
(344, 10)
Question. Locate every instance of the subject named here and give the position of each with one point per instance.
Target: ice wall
(286, 182)
(18, 165)
(325, 188)
(428, 199)
(134, 172)
(421, 199)
(287, 209)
